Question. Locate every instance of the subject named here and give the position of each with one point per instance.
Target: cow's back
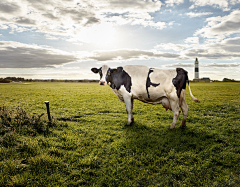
(150, 84)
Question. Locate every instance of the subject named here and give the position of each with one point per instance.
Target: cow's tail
(194, 98)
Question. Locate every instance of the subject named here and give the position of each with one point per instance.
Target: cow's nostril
(102, 83)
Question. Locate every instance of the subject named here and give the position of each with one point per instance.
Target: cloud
(222, 4)
(25, 21)
(128, 54)
(9, 7)
(221, 27)
(221, 65)
(224, 50)
(176, 65)
(232, 41)
(203, 65)
(229, 23)
(123, 6)
(225, 5)
(170, 46)
(194, 40)
(18, 55)
(227, 49)
(199, 14)
(210, 54)
(174, 2)
(71, 18)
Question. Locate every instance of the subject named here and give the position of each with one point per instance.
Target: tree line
(20, 79)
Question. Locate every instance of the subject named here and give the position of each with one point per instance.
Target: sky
(64, 39)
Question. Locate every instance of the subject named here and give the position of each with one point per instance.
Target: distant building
(196, 74)
(196, 69)
(204, 79)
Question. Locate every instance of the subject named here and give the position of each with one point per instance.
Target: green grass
(89, 144)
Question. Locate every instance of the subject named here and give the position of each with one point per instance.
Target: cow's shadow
(160, 139)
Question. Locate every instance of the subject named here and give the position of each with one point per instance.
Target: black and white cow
(150, 85)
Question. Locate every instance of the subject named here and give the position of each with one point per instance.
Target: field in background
(90, 144)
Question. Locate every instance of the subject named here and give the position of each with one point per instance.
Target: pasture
(88, 143)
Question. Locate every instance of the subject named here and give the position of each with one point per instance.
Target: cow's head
(103, 72)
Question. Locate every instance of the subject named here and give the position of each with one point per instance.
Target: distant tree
(229, 80)
(4, 80)
(16, 79)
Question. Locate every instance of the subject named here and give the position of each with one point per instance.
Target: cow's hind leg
(184, 108)
(132, 119)
(175, 109)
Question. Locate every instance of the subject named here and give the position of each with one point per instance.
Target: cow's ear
(95, 70)
(113, 70)
(120, 69)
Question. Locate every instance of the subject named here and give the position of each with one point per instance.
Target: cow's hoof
(132, 120)
(171, 128)
(182, 126)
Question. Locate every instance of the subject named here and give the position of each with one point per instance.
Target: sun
(99, 35)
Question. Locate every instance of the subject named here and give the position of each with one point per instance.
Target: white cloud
(198, 14)
(194, 40)
(174, 2)
(137, 18)
(211, 53)
(220, 27)
(176, 65)
(221, 65)
(73, 18)
(170, 46)
(123, 6)
(204, 65)
(128, 54)
(9, 7)
(221, 4)
(18, 55)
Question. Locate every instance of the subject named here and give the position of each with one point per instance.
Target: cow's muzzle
(102, 83)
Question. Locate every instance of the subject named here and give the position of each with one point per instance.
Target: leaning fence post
(48, 111)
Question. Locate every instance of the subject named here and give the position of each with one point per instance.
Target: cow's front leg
(129, 106)
(128, 103)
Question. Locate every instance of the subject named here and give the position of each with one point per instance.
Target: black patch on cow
(149, 83)
(96, 70)
(118, 77)
(180, 80)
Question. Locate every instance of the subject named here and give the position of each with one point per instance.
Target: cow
(149, 85)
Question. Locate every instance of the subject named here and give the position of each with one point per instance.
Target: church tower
(196, 69)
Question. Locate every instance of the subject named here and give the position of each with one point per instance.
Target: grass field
(88, 144)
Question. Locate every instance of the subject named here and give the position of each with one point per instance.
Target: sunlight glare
(100, 35)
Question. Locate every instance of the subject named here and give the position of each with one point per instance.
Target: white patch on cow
(138, 76)
(104, 73)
